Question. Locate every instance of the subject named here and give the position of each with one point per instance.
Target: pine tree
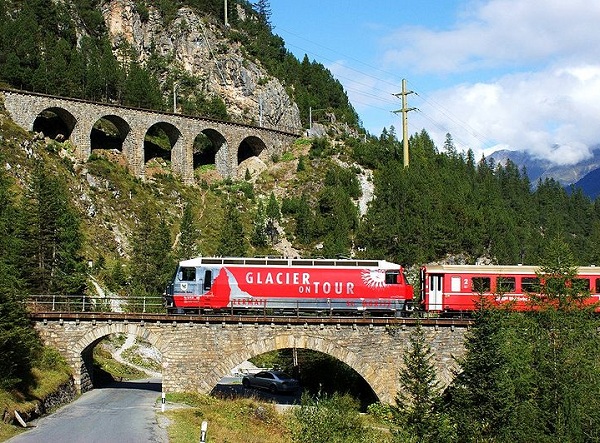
(232, 241)
(273, 211)
(259, 235)
(416, 411)
(151, 262)
(566, 351)
(264, 11)
(188, 235)
(19, 343)
(304, 220)
(482, 398)
(54, 237)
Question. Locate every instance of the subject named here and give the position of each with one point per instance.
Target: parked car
(274, 381)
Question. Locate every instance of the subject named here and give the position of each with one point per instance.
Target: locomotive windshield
(392, 277)
(187, 274)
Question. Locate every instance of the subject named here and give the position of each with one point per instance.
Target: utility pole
(226, 20)
(405, 110)
(175, 86)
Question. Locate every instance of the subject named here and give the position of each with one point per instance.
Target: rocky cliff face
(197, 46)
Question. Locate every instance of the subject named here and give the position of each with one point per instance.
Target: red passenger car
(457, 288)
(233, 284)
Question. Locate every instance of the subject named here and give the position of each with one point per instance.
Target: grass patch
(251, 421)
(132, 355)
(232, 421)
(52, 373)
(104, 360)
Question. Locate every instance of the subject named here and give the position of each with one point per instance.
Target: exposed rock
(253, 165)
(198, 47)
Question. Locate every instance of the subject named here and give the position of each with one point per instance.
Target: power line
(461, 124)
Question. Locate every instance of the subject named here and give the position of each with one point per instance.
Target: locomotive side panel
(280, 287)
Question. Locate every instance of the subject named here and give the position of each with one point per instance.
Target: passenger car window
(506, 284)
(481, 284)
(530, 284)
(455, 284)
(581, 285)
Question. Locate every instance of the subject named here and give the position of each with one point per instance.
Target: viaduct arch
(196, 354)
(77, 120)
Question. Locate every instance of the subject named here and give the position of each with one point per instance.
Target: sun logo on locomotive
(373, 278)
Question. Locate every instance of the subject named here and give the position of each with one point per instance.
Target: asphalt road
(123, 412)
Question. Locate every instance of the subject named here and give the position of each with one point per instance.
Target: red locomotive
(230, 284)
(453, 289)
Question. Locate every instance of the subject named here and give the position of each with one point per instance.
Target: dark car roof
(280, 374)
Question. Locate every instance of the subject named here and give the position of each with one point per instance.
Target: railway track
(247, 319)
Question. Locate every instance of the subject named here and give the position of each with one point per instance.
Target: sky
(495, 74)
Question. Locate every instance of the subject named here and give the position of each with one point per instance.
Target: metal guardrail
(151, 309)
(85, 303)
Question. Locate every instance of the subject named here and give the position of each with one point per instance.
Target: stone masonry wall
(196, 355)
(80, 117)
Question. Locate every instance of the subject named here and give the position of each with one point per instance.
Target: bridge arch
(251, 146)
(55, 122)
(290, 341)
(156, 136)
(83, 369)
(109, 132)
(210, 147)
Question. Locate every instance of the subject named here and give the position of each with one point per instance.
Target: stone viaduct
(197, 353)
(231, 142)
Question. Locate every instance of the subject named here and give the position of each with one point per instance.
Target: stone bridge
(197, 353)
(85, 123)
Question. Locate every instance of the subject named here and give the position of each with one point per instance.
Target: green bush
(332, 419)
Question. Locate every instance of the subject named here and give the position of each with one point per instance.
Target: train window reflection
(530, 284)
(506, 284)
(391, 277)
(187, 274)
(481, 284)
(207, 279)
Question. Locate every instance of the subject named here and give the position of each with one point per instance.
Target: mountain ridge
(581, 175)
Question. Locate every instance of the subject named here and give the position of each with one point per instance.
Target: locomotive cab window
(207, 279)
(392, 277)
(481, 284)
(506, 284)
(187, 274)
(597, 286)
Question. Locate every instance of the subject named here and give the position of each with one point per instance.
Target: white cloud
(499, 33)
(553, 113)
(527, 76)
